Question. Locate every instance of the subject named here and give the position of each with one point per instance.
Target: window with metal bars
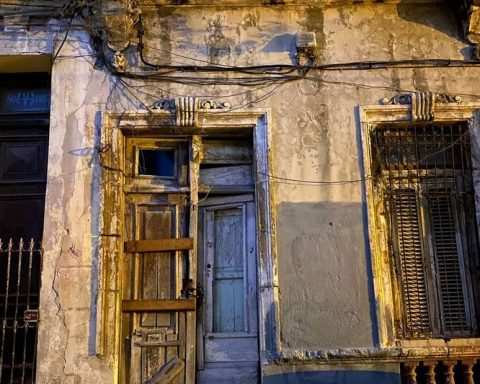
(424, 176)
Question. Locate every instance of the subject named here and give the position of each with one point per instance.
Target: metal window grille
(424, 174)
(19, 293)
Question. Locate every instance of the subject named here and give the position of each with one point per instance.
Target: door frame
(165, 123)
(203, 321)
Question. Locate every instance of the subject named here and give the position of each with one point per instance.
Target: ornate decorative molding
(423, 103)
(445, 99)
(164, 104)
(214, 104)
(187, 109)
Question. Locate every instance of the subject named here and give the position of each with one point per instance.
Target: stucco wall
(326, 294)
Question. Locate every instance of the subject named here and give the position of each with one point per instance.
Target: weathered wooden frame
(160, 123)
(370, 117)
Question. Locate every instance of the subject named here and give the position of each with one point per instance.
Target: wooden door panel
(158, 269)
(231, 349)
(156, 337)
(229, 317)
(227, 257)
(23, 159)
(153, 351)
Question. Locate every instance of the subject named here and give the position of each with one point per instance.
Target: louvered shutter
(448, 266)
(412, 268)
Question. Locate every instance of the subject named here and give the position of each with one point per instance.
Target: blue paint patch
(95, 211)
(333, 377)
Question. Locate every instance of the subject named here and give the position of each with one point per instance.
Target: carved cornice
(441, 351)
(236, 3)
(422, 103)
(185, 110)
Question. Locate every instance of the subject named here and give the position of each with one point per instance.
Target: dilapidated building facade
(201, 191)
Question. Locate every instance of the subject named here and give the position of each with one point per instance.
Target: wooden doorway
(227, 330)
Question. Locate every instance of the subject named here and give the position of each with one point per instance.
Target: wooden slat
(168, 372)
(410, 249)
(158, 245)
(227, 152)
(158, 305)
(449, 268)
(226, 175)
(144, 344)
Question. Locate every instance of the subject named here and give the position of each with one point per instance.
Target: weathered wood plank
(219, 200)
(190, 341)
(158, 245)
(218, 349)
(168, 372)
(226, 189)
(226, 373)
(158, 305)
(227, 175)
(227, 152)
(159, 344)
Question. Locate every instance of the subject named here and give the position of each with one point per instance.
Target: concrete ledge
(332, 374)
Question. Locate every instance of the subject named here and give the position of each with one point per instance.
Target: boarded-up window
(424, 175)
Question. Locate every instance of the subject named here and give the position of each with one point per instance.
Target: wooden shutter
(411, 258)
(449, 268)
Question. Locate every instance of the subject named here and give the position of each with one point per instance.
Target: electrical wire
(228, 110)
(64, 37)
(16, 5)
(285, 180)
(206, 95)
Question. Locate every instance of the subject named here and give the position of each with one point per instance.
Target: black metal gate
(19, 293)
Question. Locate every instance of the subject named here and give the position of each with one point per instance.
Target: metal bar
(4, 322)
(30, 260)
(15, 321)
(432, 162)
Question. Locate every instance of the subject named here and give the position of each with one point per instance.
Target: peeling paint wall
(71, 221)
(324, 267)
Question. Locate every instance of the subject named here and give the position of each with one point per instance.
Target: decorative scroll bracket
(186, 110)
(422, 103)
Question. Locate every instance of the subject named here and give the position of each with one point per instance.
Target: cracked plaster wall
(78, 91)
(325, 291)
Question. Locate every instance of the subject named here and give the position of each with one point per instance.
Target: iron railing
(20, 263)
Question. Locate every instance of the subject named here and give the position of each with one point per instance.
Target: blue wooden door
(230, 324)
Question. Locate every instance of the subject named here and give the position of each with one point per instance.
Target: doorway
(229, 325)
(24, 124)
(227, 321)
(190, 260)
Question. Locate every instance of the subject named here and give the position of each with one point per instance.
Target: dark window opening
(156, 162)
(424, 174)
